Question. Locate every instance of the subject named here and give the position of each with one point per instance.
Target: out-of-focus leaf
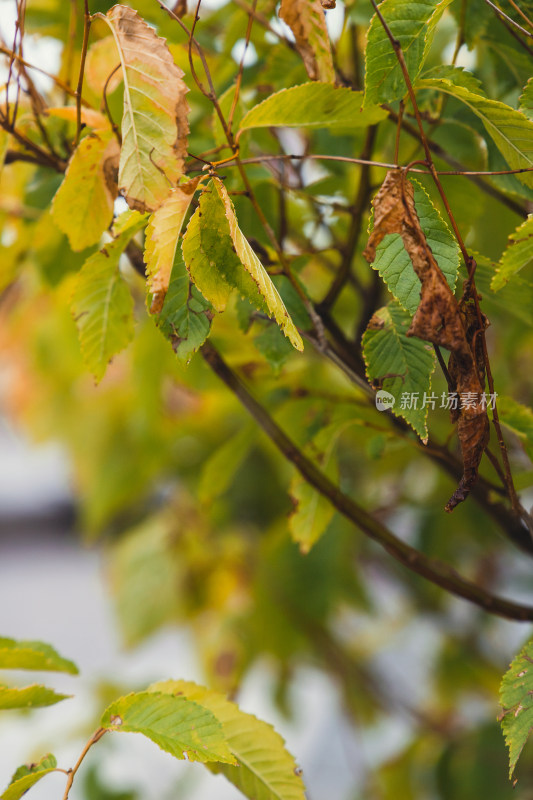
(220, 468)
(519, 419)
(29, 697)
(33, 655)
(26, 776)
(307, 21)
(518, 254)
(526, 100)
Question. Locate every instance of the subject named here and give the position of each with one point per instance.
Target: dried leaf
(306, 20)
(439, 319)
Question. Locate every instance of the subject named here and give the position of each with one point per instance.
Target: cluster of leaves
(182, 718)
(157, 201)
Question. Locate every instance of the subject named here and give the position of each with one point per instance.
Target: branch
(433, 570)
(97, 735)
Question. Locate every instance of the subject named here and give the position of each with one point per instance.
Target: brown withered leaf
(306, 20)
(441, 320)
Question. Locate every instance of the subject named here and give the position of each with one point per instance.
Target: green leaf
(215, 252)
(154, 123)
(26, 776)
(516, 297)
(457, 75)
(413, 25)
(519, 254)
(259, 275)
(399, 364)
(510, 130)
(516, 699)
(307, 21)
(185, 318)
(313, 105)
(525, 103)
(177, 725)
(273, 346)
(29, 697)
(220, 468)
(83, 205)
(519, 419)
(162, 235)
(33, 655)
(394, 264)
(102, 304)
(264, 769)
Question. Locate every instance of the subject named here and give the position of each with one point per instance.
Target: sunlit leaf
(516, 699)
(177, 725)
(26, 776)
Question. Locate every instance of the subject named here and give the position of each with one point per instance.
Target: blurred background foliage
(190, 501)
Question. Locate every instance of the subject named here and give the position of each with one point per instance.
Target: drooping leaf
(162, 235)
(313, 105)
(219, 259)
(264, 769)
(510, 130)
(33, 655)
(28, 775)
(411, 24)
(177, 725)
(440, 319)
(526, 100)
(259, 275)
(154, 123)
(399, 365)
(28, 697)
(220, 468)
(516, 699)
(306, 20)
(393, 262)
(275, 347)
(102, 304)
(83, 205)
(185, 318)
(519, 419)
(517, 255)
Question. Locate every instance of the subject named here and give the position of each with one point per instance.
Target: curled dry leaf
(441, 320)
(306, 20)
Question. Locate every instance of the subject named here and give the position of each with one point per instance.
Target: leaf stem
(97, 735)
(79, 87)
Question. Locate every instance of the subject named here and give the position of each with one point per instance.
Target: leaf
(215, 252)
(311, 515)
(313, 105)
(264, 769)
(510, 130)
(219, 470)
(102, 304)
(519, 254)
(439, 319)
(307, 21)
(519, 419)
(29, 697)
(162, 235)
(398, 364)
(515, 299)
(33, 655)
(83, 205)
(177, 725)
(516, 699)
(26, 776)
(457, 75)
(102, 59)
(525, 102)
(394, 263)
(185, 318)
(154, 123)
(411, 24)
(88, 116)
(251, 263)
(273, 346)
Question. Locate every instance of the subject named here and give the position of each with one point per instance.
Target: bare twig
(97, 735)
(79, 87)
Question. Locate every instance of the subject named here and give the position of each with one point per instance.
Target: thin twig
(79, 87)
(511, 21)
(97, 735)
(241, 65)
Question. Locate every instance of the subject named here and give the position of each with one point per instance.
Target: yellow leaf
(102, 59)
(83, 205)
(89, 116)
(306, 20)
